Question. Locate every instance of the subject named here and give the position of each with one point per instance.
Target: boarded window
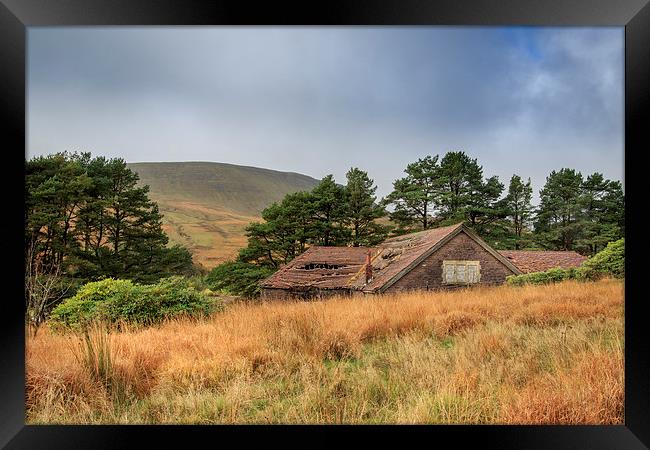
(461, 272)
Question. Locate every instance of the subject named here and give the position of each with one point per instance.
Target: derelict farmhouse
(439, 258)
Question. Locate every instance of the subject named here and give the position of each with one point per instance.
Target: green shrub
(610, 261)
(197, 282)
(549, 276)
(238, 278)
(89, 302)
(114, 301)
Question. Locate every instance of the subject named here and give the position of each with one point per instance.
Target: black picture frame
(17, 15)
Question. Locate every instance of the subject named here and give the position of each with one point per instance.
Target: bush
(89, 302)
(238, 278)
(608, 262)
(115, 301)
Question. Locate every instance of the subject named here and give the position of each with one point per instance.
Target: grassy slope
(533, 354)
(207, 205)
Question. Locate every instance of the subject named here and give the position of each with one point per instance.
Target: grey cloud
(320, 100)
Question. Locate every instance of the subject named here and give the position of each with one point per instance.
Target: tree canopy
(89, 216)
(329, 215)
(579, 214)
(519, 211)
(438, 191)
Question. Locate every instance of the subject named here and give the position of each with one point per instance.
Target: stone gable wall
(428, 274)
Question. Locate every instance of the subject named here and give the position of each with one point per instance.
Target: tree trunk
(424, 218)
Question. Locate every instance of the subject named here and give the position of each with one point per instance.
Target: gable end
(503, 260)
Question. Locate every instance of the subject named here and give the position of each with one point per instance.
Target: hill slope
(206, 205)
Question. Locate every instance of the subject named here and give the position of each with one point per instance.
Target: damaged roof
(396, 254)
(344, 267)
(539, 261)
(320, 267)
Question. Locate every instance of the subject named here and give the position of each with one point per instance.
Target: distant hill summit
(207, 205)
(239, 188)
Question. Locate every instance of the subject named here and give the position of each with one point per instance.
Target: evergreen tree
(288, 227)
(330, 213)
(414, 195)
(604, 214)
(461, 178)
(560, 217)
(465, 195)
(363, 210)
(89, 215)
(519, 209)
(56, 190)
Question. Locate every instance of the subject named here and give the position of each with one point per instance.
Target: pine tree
(604, 214)
(363, 210)
(519, 208)
(414, 196)
(56, 190)
(330, 213)
(89, 215)
(288, 227)
(559, 218)
(465, 195)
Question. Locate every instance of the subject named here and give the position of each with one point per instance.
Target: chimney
(368, 268)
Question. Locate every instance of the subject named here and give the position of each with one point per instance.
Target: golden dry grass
(534, 354)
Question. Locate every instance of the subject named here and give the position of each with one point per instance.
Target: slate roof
(539, 261)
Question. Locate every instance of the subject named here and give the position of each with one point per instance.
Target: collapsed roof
(320, 267)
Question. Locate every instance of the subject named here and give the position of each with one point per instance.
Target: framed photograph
(405, 215)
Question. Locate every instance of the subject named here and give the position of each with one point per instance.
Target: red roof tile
(539, 261)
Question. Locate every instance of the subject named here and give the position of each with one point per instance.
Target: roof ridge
(422, 232)
(428, 247)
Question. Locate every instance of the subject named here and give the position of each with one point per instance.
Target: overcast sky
(319, 100)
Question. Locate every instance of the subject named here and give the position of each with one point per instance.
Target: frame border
(17, 15)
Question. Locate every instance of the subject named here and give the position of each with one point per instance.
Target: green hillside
(239, 188)
(207, 205)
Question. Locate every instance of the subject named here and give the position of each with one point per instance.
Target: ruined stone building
(439, 258)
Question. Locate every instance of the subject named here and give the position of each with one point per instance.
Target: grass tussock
(531, 354)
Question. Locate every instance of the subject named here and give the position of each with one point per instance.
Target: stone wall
(301, 294)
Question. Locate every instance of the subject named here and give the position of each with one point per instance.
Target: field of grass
(206, 206)
(499, 355)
